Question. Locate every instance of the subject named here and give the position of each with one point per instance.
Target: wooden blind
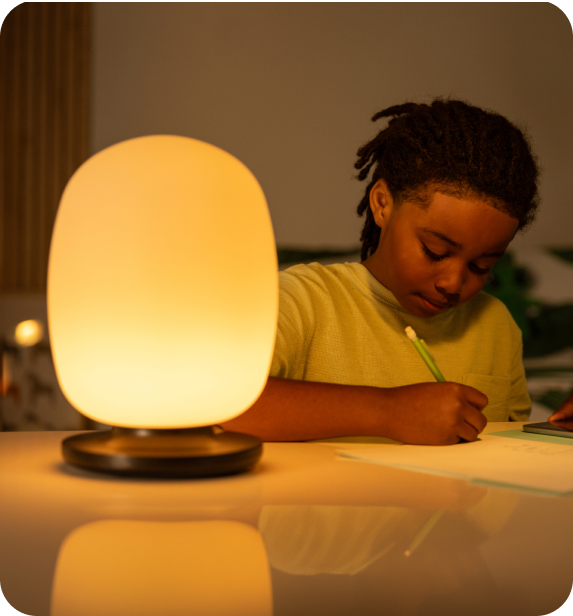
(44, 78)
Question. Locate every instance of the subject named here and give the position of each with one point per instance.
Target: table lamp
(162, 306)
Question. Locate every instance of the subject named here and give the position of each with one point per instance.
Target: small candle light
(28, 333)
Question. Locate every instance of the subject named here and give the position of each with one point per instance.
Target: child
(451, 185)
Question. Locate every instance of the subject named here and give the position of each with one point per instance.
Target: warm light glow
(29, 333)
(119, 567)
(162, 285)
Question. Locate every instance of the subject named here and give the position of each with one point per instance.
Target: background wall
(290, 89)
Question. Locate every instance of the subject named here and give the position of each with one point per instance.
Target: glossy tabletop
(305, 533)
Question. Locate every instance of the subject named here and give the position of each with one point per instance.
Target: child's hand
(436, 413)
(563, 416)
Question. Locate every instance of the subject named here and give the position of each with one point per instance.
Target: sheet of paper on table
(507, 462)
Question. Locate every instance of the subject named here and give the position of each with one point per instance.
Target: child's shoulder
(317, 273)
(488, 308)
(316, 282)
(486, 301)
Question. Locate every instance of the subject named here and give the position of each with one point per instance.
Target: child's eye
(432, 255)
(479, 270)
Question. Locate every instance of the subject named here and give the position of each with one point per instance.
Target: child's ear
(381, 203)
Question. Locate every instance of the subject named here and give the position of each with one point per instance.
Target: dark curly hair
(451, 147)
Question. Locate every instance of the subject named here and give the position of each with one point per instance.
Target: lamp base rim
(172, 453)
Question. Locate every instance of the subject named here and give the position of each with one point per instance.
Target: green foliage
(549, 331)
(510, 284)
(564, 253)
(546, 329)
(552, 398)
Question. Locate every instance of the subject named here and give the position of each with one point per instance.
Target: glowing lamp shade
(162, 286)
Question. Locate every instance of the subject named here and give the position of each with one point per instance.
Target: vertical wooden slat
(50, 104)
(37, 219)
(28, 231)
(40, 120)
(44, 77)
(41, 88)
(58, 136)
(3, 137)
(16, 209)
(12, 100)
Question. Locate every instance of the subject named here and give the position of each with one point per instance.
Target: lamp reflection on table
(142, 568)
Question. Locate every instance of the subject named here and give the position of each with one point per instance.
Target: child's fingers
(557, 416)
(468, 432)
(565, 411)
(476, 420)
(476, 398)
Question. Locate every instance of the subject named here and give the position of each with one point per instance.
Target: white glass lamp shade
(162, 285)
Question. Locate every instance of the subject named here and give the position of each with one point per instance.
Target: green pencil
(424, 354)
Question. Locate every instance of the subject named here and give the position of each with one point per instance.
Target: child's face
(436, 258)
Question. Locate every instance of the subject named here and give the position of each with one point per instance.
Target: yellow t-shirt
(339, 324)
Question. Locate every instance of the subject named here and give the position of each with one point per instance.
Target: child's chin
(423, 309)
(418, 312)
(425, 315)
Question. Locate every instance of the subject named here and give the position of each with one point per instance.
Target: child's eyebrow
(441, 236)
(451, 242)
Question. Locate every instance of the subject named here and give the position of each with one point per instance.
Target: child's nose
(450, 281)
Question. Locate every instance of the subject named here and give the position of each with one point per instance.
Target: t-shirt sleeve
(294, 329)
(519, 402)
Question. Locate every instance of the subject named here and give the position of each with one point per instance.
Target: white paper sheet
(493, 459)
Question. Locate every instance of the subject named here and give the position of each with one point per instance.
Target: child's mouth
(433, 306)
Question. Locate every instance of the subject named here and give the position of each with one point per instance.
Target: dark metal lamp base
(187, 452)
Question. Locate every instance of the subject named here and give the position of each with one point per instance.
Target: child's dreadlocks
(451, 147)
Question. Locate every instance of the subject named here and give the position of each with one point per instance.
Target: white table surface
(334, 530)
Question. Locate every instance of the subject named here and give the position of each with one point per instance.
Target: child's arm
(424, 413)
